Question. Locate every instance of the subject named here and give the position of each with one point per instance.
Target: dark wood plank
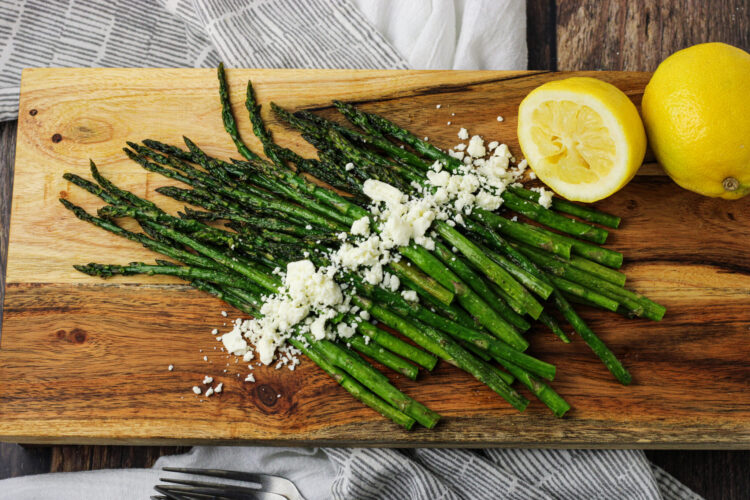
(713, 474)
(77, 458)
(7, 156)
(541, 39)
(636, 36)
(17, 460)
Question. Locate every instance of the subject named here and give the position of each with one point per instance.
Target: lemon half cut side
(582, 137)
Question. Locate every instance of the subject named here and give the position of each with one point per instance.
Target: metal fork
(261, 487)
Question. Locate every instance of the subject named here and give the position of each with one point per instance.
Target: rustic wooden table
(562, 35)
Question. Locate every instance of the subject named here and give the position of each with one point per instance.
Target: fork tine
(213, 490)
(224, 474)
(276, 484)
(168, 494)
(188, 482)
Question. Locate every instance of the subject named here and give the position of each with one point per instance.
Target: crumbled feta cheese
(459, 147)
(410, 295)
(196, 389)
(250, 378)
(234, 343)
(224, 313)
(463, 134)
(380, 191)
(545, 197)
(476, 147)
(361, 227)
(219, 387)
(209, 392)
(170, 367)
(492, 145)
(459, 155)
(438, 106)
(349, 166)
(207, 379)
(500, 118)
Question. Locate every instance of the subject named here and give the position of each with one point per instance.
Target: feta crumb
(448, 123)
(463, 134)
(205, 358)
(476, 147)
(426, 138)
(494, 144)
(250, 378)
(308, 227)
(545, 197)
(410, 295)
(349, 166)
(196, 389)
(224, 313)
(500, 118)
(459, 155)
(207, 380)
(380, 191)
(361, 227)
(214, 331)
(219, 387)
(438, 106)
(170, 367)
(209, 392)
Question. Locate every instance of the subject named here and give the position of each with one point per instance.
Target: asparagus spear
(383, 356)
(561, 205)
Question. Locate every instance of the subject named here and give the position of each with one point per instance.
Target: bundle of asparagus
(480, 284)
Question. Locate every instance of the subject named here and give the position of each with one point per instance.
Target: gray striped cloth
(302, 34)
(514, 474)
(184, 33)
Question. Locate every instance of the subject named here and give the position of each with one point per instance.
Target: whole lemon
(696, 109)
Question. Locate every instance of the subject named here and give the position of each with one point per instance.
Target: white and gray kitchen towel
(420, 34)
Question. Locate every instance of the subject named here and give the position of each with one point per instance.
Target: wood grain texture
(104, 378)
(636, 36)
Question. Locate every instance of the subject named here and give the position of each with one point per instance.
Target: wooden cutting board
(85, 361)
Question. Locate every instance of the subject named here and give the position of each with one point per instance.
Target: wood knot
(74, 336)
(86, 130)
(56, 138)
(33, 112)
(631, 205)
(267, 395)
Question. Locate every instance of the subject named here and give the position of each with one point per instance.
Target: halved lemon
(582, 137)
